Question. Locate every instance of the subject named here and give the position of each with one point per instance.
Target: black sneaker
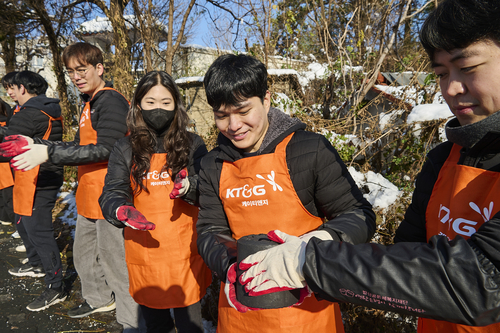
(27, 270)
(48, 298)
(85, 309)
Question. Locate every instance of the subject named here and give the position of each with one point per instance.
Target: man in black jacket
(35, 192)
(445, 265)
(99, 252)
(267, 172)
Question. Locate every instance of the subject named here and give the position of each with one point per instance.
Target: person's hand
(230, 291)
(14, 145)
(36, 155)
(132, 218)
(278, 268)
(181, 185)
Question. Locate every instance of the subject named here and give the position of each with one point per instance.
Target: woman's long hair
(176, 142)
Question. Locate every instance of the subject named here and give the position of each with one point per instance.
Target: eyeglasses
(81, 72)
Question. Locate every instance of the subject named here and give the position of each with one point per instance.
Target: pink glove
(14, 145)
(230, 291)
(181, 185)
(132, 218)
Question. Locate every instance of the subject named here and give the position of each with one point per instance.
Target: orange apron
(164, 267)
(90, 176)
(6, 179)
(23, 194)
(258, 196)
(462, 200)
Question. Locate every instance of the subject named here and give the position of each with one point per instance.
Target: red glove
(230, 291)
(14, 145)
(181, 185)
(132, 218)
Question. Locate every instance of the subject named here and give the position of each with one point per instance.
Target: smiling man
(268, 173)
(99, 252)
(445, 265)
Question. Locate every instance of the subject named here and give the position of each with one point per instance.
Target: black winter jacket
(29, 121)
(4, 118)
(319, 177)
(108, 116)
(117, 189)
(456, 281)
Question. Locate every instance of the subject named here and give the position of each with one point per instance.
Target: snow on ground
(69, 214)
(425, 112)
(285, 104)
(382, 193)
(388, 118)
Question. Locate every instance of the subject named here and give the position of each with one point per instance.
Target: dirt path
(17, 292)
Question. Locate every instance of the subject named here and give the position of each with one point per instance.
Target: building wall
(198, 109)
(194, 60)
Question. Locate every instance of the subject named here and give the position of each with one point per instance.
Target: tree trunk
(171, 47)
(68, 110)
(9, 51)
(122, 78)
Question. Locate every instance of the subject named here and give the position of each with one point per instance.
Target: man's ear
(100, 69)
(22, 89)
(267, 101)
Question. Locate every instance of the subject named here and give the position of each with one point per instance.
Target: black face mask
(158, 119)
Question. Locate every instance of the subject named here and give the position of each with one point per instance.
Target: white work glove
(321, 234)
(278, 268)
(230, 291)
(36, 155)
(181, 185)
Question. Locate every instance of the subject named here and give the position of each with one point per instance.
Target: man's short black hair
(459, 23)
(34, 83)
(232, 79)
(8, 79)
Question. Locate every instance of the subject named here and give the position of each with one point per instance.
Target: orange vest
(462, 200)
(258, 196)
(90, 176)
(23, 193)
(164, 267)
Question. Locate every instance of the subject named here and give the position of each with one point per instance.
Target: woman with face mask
(151, 191)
